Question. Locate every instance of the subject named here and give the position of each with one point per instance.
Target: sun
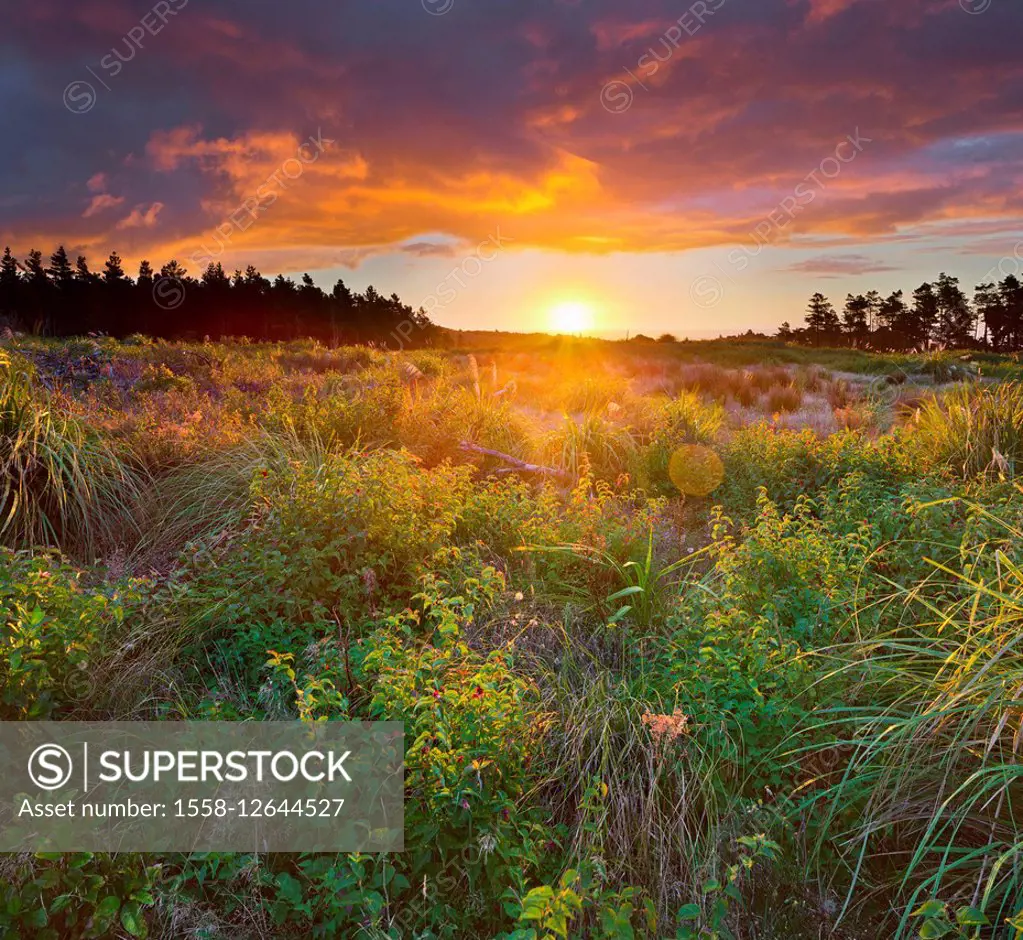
(572, 316)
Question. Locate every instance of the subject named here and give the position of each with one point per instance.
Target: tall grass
(591, 442)
(663, 820)
(211, 495)
(927, 802)
(975, 429)
(61, 485)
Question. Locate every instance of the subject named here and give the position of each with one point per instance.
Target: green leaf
(971, 917)
(689, 912)
(38, 918)
(105, 913)
(535, 903)
(289, 889)
(930, 909)
(132, 919)
(60, 902)
(933, 928)
(108, 907)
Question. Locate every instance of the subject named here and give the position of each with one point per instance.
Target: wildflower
(519, 595)
(436, 694)
(487, 843)
(505, 815)
(369, 581)
(478, 693)
(465, 803)
(667, 727)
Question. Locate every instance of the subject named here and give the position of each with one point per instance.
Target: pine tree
(82, 272)
(987, 300)
(874, 303)
(1011, 291)
(60, 268)
(174, 270)
(924, 314)
(955, 317)
(9, 276)
(10, 286)
(855, 320)
(113, 271)
(35, 270)
(821, 319)
(895, 317)
(145, 274)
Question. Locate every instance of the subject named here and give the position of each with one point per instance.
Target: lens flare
(696, 470)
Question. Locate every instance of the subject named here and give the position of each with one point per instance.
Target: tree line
(66, 299)
(938, 313)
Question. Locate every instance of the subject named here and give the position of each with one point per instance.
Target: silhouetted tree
(1011, 291)
(82, 272)
(987, 301)
(60, 268)
(35, 270)
(955, 318)
(66, 299)
(874, 304)
(113, 272)
(895, 323)
(821, 319)
(924, 314)
(10, 288)
(855, 321)
(38, 306)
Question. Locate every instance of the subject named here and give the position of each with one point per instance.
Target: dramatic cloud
(570, 126)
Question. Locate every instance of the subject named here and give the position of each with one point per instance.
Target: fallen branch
(517, 466)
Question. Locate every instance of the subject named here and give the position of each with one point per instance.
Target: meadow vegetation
(792, 708)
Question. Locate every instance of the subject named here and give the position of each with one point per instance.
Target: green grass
(975, 430)
(61, 484)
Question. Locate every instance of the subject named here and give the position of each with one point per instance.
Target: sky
(697, 168)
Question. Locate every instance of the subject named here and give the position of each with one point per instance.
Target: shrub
(784, 399)
(709, 380)
(472, 729)
(765, 379)
(56, 636)
(342, 538)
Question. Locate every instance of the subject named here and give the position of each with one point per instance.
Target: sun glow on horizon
(572, 316)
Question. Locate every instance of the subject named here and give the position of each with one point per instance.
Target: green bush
(56, 634)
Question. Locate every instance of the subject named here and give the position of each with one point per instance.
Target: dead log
(517, 466)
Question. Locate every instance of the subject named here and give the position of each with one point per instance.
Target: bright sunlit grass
(572, 316)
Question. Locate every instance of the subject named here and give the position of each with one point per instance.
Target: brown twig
(520, 466)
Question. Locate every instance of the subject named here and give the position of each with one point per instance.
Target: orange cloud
(140, 219)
